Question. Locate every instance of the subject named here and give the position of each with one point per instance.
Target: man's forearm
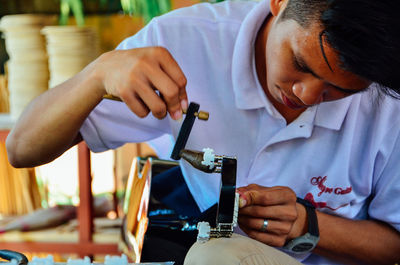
(50, 124)
(351, 241)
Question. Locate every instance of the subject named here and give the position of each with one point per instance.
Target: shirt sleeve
(385, 200)
(112, 124)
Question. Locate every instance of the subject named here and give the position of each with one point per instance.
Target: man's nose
(309, 92)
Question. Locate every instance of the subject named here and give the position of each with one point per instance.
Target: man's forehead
(311, 42)
(311, 45)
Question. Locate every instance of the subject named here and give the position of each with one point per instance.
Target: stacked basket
(27, 68)
(70, 49)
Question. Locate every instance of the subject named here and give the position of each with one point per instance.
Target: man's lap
(236, 250)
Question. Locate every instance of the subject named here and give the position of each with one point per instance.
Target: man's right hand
(146, 79)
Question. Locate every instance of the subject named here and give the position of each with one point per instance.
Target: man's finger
(266, 238)
(269, 196)
(169, 91)
(157, 79)
(273, 226)
(183, 99)
(282, 212)
(153, 101)
(172, 69)
(136, 105)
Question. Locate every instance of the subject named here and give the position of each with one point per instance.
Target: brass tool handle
(202, 115)
(109, 96)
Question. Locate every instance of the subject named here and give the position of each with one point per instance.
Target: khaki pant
(238, 250)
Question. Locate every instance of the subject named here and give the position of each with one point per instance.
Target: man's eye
(297, 66)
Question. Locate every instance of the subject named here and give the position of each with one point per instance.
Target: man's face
(297, 74)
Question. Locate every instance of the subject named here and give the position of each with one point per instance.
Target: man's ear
(277, 6)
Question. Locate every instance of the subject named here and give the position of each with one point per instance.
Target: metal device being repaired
(206, 161)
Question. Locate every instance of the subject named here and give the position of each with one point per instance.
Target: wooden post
(85, 209)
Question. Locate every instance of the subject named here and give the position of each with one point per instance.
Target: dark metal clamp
(206, 161)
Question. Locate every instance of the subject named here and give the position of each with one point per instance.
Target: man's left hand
(285, 218)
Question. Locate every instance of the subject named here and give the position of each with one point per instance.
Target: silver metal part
(208, 158)
(217, 163)
(204, 232)
(236, 210)
(228, 203)
(222, 230)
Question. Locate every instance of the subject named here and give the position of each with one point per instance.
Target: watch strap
(311, 216)
(309, 240)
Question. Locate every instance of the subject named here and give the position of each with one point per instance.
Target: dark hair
(365, 33)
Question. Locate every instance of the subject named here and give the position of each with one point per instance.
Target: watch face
(301, 247)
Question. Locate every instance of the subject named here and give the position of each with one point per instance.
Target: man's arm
(372, 242)
(352, 241)
(146, 79)
(50, 124)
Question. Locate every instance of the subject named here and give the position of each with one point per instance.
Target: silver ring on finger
(264, 226)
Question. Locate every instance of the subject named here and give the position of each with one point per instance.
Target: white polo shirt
(343, 155)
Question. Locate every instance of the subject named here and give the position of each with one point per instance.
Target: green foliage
(146, 8)
(142, 8)
(77, 9)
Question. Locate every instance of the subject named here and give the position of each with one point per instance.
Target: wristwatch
(308, 241)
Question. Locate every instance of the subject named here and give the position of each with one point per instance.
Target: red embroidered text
(319, 181)
(309, 197)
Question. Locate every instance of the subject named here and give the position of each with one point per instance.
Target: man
(292, 91)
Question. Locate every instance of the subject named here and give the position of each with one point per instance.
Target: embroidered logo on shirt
(309, 197)
(319, 181)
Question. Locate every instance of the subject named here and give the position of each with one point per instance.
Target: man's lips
(290, 103)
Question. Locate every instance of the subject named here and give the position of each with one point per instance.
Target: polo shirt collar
(331, 115)
(246, 86)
